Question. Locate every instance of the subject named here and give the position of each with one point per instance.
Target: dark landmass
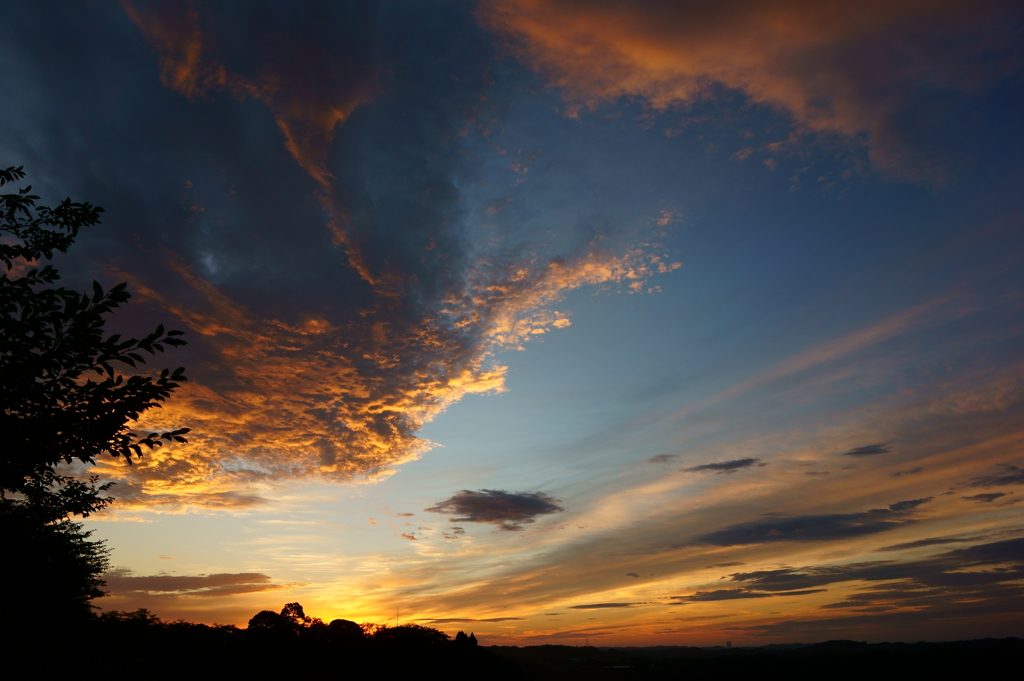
(274, 646)
(832, 659)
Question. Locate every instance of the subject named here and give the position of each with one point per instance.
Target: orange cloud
(278, 401)
(341, 399)
(850, 68)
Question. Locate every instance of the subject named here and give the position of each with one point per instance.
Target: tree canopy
(62, 397)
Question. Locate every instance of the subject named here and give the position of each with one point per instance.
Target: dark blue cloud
(931, 541)
(815, 528)
(726, 467)
(967, 586)
(508, 510)
(1007, 474)
(736, 594)
(985, 498)
(869, 450)
(999, 562)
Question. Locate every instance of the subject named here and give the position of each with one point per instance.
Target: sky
(648, 323)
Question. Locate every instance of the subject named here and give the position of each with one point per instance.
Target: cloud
(912, 471)
(633, 575)
(310, 82)
(410, 536)
(727, 467)
(314, 240)
(122, 582)
(348, 399)
(960, 569)
(508, 510)
(931, 541)
(964, 585)
(1008, 475)
(600, 606)
(828, 351)
(985, 497)
(814, 528)
(879, 70)
(734, 594)
(724, 565)
(663, 458)
(457, 620)
(869, 450)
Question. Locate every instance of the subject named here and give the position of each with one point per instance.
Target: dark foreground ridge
(832, 659)
(279, 645)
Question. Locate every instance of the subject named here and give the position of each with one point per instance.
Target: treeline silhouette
(273, 645)
(290, 643)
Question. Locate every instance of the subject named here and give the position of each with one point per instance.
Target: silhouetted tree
(269, 624)
(410, 636)
(51, 572)
(345, 632)
(61, 400)
(294, 613)
(463, 641)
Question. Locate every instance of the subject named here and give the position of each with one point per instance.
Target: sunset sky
(658, 323)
